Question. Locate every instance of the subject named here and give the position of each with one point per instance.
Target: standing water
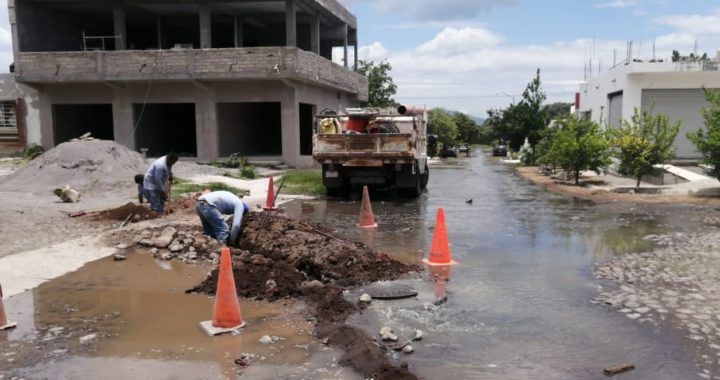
(518, 303)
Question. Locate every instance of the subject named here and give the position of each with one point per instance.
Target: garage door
(678, 104)
(616, 109)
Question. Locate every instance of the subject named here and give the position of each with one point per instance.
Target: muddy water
(132, 319)
(518, 303)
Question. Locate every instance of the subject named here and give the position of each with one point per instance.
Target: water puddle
(132, 319)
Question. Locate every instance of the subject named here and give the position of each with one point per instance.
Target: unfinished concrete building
(204, 78)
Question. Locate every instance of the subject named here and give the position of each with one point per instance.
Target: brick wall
(206, 64)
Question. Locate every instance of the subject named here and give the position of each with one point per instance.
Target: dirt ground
(603, 196)
(296, 259)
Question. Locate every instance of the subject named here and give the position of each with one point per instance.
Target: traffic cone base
(367, 219)
(270, 202)
(210, 330)
(226, 316)
(440, 248)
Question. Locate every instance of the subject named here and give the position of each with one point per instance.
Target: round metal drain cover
(391, 292)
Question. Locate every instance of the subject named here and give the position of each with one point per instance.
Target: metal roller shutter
(616, 110)
(678, 104)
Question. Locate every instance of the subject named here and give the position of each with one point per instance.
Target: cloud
(433, 10)
(453, 41)
(617, 4)
(693, 24)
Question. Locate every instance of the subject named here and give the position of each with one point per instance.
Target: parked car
(463, 149)
(500, 150)
(447, 151)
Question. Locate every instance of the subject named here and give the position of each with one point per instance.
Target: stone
(408, 349)
(67, 195)
(365, 298)
(386, 334)
(266, 339)
(166, 256)
(122, 246)
(270, 285)
(154, 251)
(642, 310)
(166, 237)
(418, 335)
(176, 247)
(146, 243)
(119, 257)
(633, 316)
(87, 338)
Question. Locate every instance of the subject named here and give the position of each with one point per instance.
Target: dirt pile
(292, 258)
(83, 165)
(135, 212)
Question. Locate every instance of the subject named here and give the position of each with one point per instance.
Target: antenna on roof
(653, 58)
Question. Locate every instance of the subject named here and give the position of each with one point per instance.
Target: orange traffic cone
(4, 323)
(440, 248)
(270, 202)
(226, 313)
(367, 220)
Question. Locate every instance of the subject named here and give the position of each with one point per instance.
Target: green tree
(578, 145)
(644, 142)
(707, 139)
(468, 130)
(525, 119)
(557, 110)
(381, 87)
(441, 123)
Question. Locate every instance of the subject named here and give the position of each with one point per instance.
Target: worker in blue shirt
(154, 182)
(211, 206)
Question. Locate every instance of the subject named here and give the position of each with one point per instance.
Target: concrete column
(345, 45)
(47, 135)
(205, 27)
(290, 126)
(290, 23)
(120, 27)
(355, 44)
(206, 124)
(239, 33)
(315, 35)
(123, 119)
(160, 36)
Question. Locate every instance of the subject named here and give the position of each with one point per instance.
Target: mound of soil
(83, 165)
(292, 258)
(138, 213)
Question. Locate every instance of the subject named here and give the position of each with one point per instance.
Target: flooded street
(519, 300)
(517, 305)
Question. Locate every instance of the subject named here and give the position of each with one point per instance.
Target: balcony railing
(188, 64)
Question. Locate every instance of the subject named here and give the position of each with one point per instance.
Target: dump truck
(377, 148)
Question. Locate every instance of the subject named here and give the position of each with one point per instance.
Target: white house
(673, 89)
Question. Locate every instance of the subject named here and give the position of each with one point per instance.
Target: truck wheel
(415, 191)
(425, 178)
(337, 192)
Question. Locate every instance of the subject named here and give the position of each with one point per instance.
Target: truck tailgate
(369, 145)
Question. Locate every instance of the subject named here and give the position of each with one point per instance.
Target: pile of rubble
(185, 243)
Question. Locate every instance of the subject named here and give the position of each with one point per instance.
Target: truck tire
(415, 191)
(338, 192)
(425, 178)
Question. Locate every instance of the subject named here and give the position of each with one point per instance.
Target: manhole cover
(391, 292)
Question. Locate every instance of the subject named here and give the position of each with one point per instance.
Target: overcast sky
(462, 54)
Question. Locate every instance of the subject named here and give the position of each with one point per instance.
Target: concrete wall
(632, 79)
(11, 90)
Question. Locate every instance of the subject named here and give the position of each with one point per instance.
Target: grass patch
(181, 186)
(246, 172)
(305, 182)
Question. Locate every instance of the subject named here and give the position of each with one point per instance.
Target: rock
(642, 310)
(176, 247)
(146, 243)
(386, 334)
(259, 260)
(166, 256)
(154, 251)
(266, 339)
(418, 336)
(67, 195)
(270, 285)
(166, 237)
(365, 298)
(119, 257)
(122, 246)
(311, 285)
(634, 316)
(136, 218)
(408, 349)
(87, 338)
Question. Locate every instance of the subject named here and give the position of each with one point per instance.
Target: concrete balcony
(266, 63)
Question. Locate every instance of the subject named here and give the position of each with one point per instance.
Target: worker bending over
(157, 175)
(211, 206)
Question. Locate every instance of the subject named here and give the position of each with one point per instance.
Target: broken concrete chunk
(122, 246)
(119, 257)
(87, 338)
(166, 256)
(266, 339)
(67, 195)
(176, 247)
(418, 335)
(386, 334)
(365, 298)
(154, 251)
(408, 349)
(165, 238)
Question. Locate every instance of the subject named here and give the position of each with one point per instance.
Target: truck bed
(375, 146)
